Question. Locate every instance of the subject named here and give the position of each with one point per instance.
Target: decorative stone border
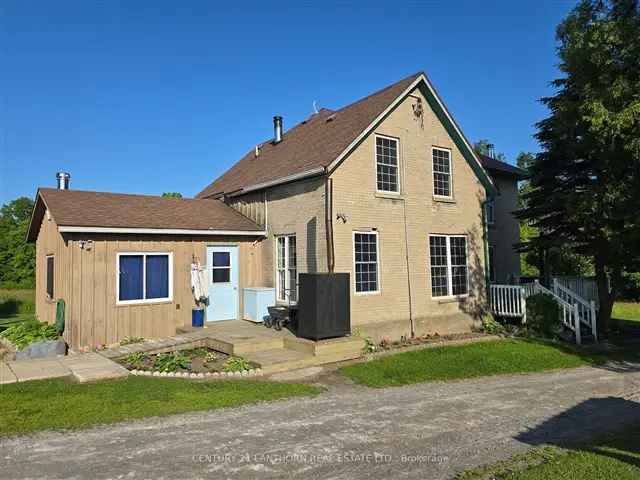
(255, 372)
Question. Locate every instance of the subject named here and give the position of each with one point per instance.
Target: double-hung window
(449, 271)
(387, 178)
(441, 172)
(50, 275)
(365, 247)
(144, 277)
(287, 269)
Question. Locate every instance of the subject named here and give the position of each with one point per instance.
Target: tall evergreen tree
(585, 185)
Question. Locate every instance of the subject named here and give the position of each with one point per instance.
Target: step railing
(511, 301)
(586, 309)
(584, 287)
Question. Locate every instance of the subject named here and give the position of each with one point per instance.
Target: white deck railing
(508, 301)
(511, 301)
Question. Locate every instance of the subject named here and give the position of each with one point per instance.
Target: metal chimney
(63, 180)
(277, 129)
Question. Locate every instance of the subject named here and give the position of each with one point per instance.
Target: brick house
(386, 189)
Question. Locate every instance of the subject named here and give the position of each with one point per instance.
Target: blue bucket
(197, 317)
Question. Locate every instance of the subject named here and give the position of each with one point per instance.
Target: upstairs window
(449, 271)
(144, 277)
(366, 261)
(441, 172)
(387, 165)
(50, 275)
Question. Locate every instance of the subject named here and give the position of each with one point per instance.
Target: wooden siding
(86, 280)
(251, 205)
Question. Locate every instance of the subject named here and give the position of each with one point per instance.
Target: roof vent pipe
(63, 180)
(277, 129)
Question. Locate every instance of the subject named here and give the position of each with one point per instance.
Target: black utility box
(324, 309)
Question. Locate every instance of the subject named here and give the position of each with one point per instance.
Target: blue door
(222, 265)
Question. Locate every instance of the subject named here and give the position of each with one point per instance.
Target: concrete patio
(86, 367)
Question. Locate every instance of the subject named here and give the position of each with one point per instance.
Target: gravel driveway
(425, 431)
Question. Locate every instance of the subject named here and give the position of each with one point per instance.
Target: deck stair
(578, 315)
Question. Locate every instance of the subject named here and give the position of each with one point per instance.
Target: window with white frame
(144, 277)
(365, 246)
(490, 211)
(449, 271)
(50, 275)
(287, 271)
(441, 172)
(387, 165)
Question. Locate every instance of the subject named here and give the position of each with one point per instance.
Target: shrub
(26, 333)
(492, 326)
(136, 360)
(131, 340)
(543, 314)
(236, 364)
(171, 362)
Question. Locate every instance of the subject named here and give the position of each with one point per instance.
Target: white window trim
(492, 265)
(144, 279)
(46, 273)
(378, 273)
(375, 163)
(287, 275)
(449, 267)
(491, 202)
(433, 185)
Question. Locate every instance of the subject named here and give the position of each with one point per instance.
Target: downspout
(328, 219)
(406, 254)
(485, 244)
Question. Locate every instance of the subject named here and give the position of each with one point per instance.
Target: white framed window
(387, 165)
(492, 263)
(490, 211)
(441, 161)
(365, 262)
(286, 269)
(144, 277)
(50, 276)
(449, 269)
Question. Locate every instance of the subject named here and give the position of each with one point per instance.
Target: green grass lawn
(16, 306)
(59, 404)
(626, 311)
(467, 361)
(613, 456)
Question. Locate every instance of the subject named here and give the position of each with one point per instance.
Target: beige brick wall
(297, 208)
(505, 231)
(388, 312)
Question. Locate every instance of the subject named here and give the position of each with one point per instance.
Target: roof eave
(159, 231)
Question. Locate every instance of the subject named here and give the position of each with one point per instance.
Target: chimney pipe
(63, 180)
(277, 129)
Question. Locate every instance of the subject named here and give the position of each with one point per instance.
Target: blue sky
(154, 96)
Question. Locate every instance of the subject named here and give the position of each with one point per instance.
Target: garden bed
(198, 361)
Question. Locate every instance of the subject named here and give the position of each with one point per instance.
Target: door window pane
(221, 275)
(287, 268)
(221, 259)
